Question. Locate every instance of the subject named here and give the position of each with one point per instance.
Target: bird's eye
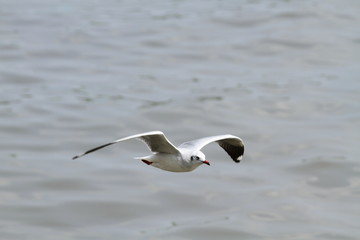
(195, 158)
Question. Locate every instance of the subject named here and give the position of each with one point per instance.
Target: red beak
(206, 162)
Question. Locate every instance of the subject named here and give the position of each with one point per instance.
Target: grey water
(282, 75)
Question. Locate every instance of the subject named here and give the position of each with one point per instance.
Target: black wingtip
(238, 159)
(75, 157)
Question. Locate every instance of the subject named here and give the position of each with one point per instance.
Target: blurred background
(282, 75)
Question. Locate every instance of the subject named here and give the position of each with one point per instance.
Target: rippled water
(282, 75)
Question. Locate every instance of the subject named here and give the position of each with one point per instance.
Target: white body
(168, 162)
(174, 162)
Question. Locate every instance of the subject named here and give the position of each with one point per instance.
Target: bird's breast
(169, 162)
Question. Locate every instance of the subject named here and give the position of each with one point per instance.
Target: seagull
(183, 158)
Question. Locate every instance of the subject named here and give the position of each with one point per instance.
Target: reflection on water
(281, 75)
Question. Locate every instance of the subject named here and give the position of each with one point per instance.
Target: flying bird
(183, 158)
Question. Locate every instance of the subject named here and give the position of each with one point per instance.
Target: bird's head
(198, 158)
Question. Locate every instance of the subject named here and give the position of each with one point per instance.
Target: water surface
(282, 75)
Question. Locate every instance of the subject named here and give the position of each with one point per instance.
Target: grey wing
(155, 140)
(233, 145)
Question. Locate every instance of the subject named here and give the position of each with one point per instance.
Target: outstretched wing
(233, 145)
(155, 140)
